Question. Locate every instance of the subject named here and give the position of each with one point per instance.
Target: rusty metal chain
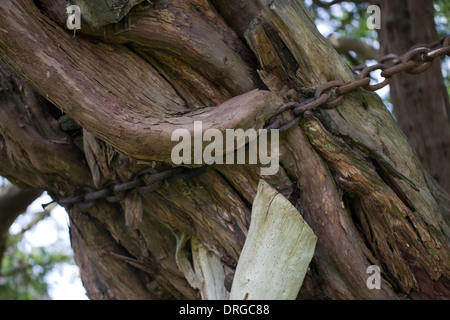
(416, 60)
(146, 180)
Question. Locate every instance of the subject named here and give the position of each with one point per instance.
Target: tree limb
(13, 202)
(327, 5)
(38, 217)
(347, 44)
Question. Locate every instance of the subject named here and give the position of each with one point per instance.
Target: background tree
(25, 266)
(421, 104)
(350, 172)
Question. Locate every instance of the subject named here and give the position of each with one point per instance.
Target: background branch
(13, 202)
(346, 44)
(327, 5)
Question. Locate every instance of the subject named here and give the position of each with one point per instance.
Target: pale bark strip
(210, 270)
(277, 252)
(187, 41)
(207, 273)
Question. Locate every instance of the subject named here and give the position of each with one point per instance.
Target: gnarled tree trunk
(350, 172)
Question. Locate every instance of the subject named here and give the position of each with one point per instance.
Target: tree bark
(350, 171)
(421, 103)
(13, 202)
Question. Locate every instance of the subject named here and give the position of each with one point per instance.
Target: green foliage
(441, 16)
(349, 19)
(346, 19)
(23, 274)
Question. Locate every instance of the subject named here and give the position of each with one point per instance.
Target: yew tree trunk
(421, 103)
(350, 172)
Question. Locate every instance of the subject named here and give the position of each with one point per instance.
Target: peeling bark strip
(206, 272)
(277, 251)
(349, 171)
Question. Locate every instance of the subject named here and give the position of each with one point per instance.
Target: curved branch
(327, 5)
(347, 44)
(37, 218)
(102, 94)
(178, 34)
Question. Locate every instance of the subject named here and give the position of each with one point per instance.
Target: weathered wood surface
(277, 251)
(130, 84)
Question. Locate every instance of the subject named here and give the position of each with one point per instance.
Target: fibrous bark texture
(350, 171)
(421, 102)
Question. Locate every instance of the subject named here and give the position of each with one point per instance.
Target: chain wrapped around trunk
(326, 96)
(418, 59)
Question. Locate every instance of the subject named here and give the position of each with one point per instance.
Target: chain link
(146, 180)
(416, 60)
